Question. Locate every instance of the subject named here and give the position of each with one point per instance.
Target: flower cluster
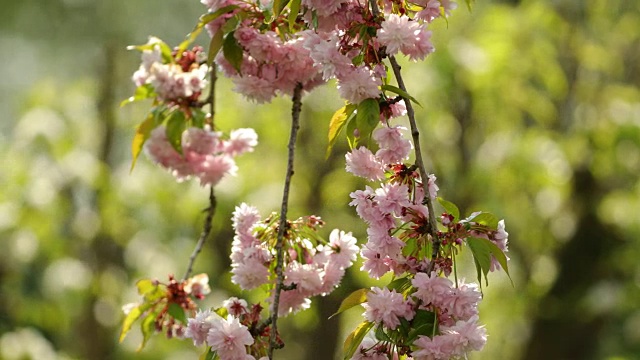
(309, 269)
(163, 306)
(205, 154)
(432, 320)
(270, 50)
(174, 79)
(233, 332)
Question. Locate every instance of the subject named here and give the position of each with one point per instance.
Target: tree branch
(295, 125)
(206, 230)
(415, 133)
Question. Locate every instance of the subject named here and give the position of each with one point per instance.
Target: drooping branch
(295, 125)
(415, 134)
(206, 230)
(211, 209)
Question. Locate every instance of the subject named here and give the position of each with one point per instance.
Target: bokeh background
(531, 111)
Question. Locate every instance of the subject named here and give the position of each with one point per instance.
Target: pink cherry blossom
(387, 307)
(198, 327)
(344, 248)
(398, 32)
(229, 338)
(432, 289)
(358, 84)
(361, 162)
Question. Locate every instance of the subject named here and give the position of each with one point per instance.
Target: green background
(531, 111)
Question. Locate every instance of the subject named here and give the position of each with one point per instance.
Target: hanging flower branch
(288, 47)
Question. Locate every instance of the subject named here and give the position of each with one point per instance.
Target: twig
(415, 133)
(206, 230)
(212, 92)
(295, 125)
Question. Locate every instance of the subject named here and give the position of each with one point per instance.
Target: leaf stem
(415, 133)
(295, 126)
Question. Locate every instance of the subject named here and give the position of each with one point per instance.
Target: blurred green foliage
(531, 111)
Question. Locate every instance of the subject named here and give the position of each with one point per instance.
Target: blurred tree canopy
(531, 109)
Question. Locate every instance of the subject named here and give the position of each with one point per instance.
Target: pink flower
(358, 84)
(254, 88)
(307, 277)
(422, 45)
(198, 286)
(430, 12)
(245, 217)
(361, 162)
(200, 141)
(292, 301)
(323, 7)
(383, 243)
(387, 307)
(235, 306)
(344, 249)
(398, 32)
(394, 148)
(441, 347)
(431, 289)
(326, 55)
(241, 141)
(198, 327)
(214, 168)
(462, 302)
(471, 336)
(368, 351)
(392, 197)
(433, 188)
(229, 338)
(249, 275)
(374, 262)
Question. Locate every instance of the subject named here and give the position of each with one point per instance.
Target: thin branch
(206, 230)
(295, 125)
(415, 134)
(212, 92)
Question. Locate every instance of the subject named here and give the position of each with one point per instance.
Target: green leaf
(214, 46)
(400, 92)
(232, 51)
(354, 299)
(208, 354)
(131, 318)
(354, 339)
(294, 7)
(400, 285)
(143, 131)
(148, 326)
(207, 18)
(423, 323)
(482, 249)
(278, 6)
(367, 118)
(150, 290)
(144, 91)
(450, 208)
(338, 121)
(487, 219)
(176, 124)
(410, 247)
(381, 335)
(222, 312)
(469, 3)
(177, 312)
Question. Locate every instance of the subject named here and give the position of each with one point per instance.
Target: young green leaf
(177, 312)
(294, 7)
(176, 124)
(214, 46)
(381, 335)
(487, 219)
(400, 92)
(400, 285)
(222, 312)
(278, 6)
(148, 326)
(131, 318)
(232, 51)
(450, 208)
(143, 131)
(367, 118)
(355, 338)
(144, 91)
(208, 354)
(355, 298)
(482, 249)
(338, 121)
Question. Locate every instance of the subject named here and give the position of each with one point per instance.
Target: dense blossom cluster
(456, 319)
(173, 81)
(341, 39)
(309, 269)
(398, 233)
(205, 154)
(238, 336)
